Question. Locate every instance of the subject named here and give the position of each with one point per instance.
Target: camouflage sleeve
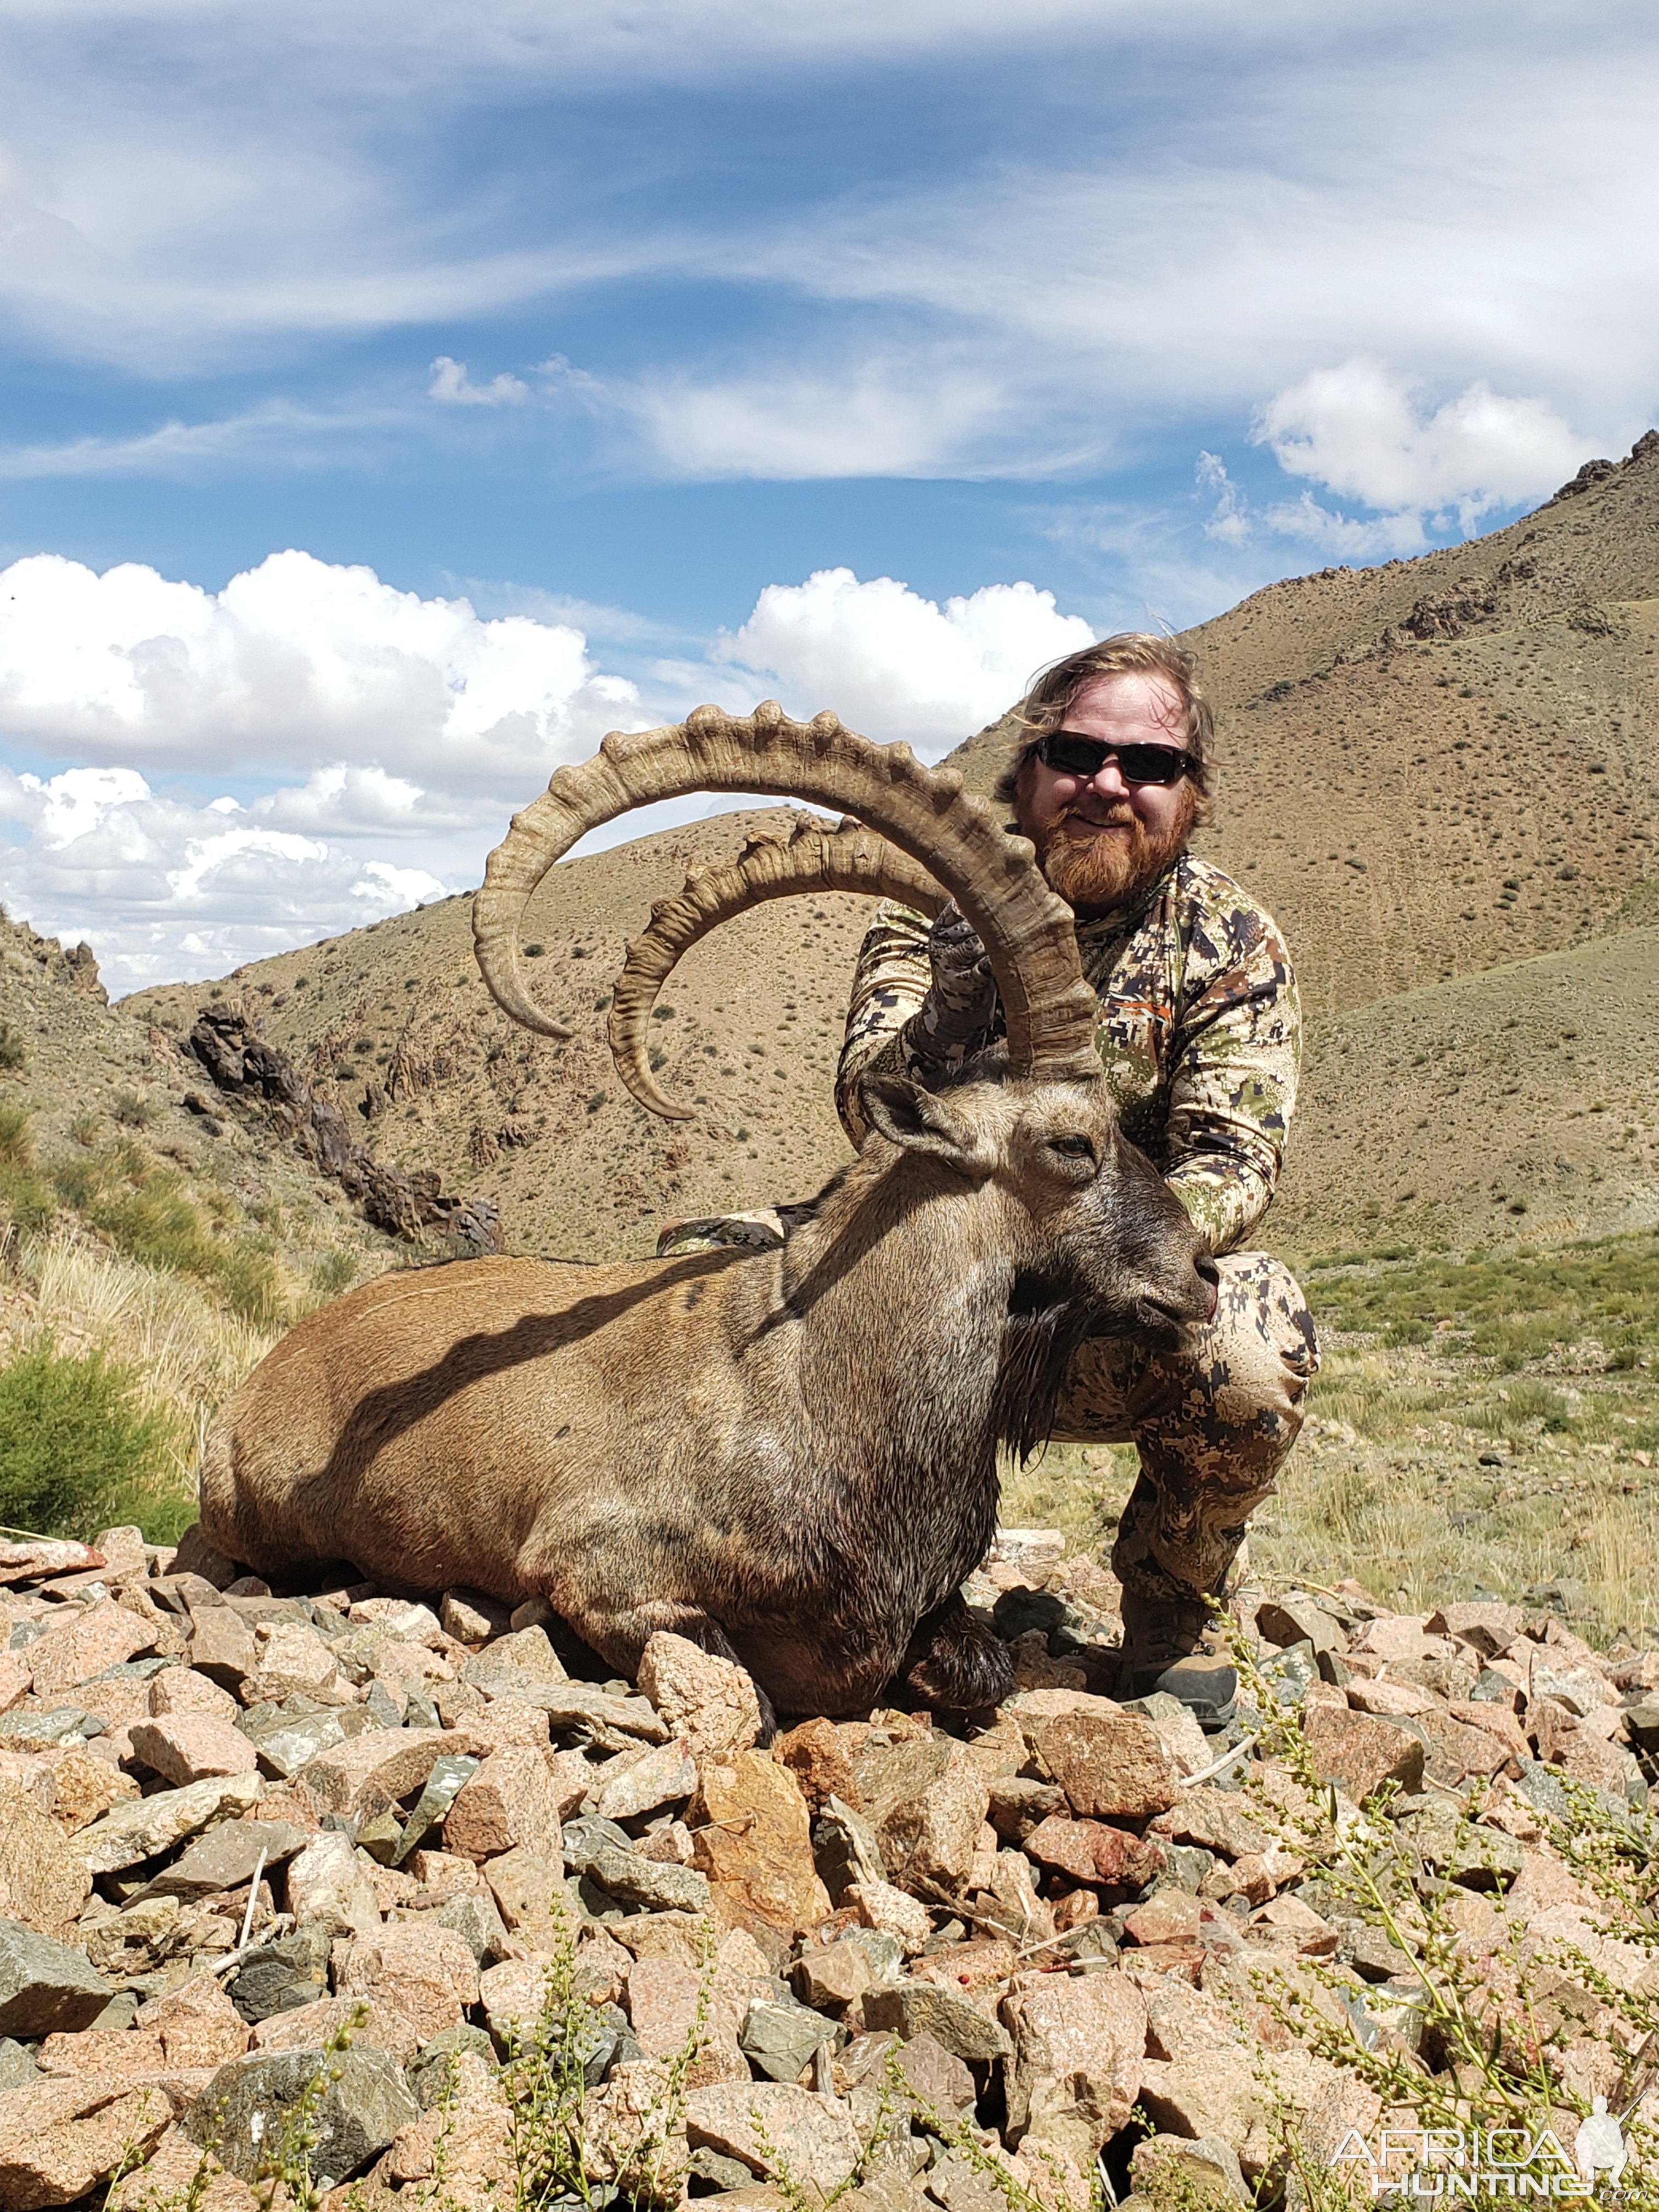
(889, 984)
(1237, 1055)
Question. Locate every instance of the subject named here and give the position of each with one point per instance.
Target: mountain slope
(1520, 1102)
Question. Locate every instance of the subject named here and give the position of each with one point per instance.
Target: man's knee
(1257, 1356)
(1224, 1407)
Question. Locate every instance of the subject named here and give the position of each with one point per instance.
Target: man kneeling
(1200, 1034)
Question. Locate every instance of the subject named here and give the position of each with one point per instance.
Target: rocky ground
(569, 1921)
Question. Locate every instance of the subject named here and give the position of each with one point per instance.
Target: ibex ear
(923, 1121)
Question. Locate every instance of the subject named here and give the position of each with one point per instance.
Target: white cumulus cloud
(292, 660)
(399, 733)
(896, 664)
(164, 888)
(1366, 432)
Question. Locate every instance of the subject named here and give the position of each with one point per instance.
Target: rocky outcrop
(249, 1070)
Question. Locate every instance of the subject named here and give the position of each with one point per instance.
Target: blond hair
(1054, 694)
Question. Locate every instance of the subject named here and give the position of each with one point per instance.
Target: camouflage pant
(1213, 1421)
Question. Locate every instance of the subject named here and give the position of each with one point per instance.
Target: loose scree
(787, 1456)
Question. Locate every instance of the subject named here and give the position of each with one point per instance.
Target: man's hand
(962, 1002)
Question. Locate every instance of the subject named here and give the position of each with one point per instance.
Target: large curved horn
(1027, 930)
(816, 859)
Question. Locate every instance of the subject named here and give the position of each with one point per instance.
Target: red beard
(1097, 870)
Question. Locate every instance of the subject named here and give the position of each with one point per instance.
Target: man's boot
(1164, 1648)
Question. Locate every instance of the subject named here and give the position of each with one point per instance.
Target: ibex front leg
(955, 1662)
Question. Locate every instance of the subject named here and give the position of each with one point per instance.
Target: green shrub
(24, 1198)
(138, 1204)
(132, 1111)
(16, 1137)
(332, 1273)
(76, 1454)
(12, 1053)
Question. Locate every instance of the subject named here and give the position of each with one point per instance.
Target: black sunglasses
(1072, 754)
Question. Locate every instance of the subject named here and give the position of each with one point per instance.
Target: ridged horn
(1027, 930)
(815, 859)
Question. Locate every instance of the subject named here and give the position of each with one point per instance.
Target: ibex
(789, 1456)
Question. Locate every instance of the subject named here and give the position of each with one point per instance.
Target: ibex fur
(787, 1456)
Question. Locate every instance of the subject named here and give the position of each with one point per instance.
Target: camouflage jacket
(1200, 1034)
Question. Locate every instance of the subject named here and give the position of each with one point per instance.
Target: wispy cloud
(296, 435)
(453, 386)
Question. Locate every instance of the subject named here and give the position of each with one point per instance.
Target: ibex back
(788, 1456)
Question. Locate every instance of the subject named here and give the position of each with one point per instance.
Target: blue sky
(599, 359)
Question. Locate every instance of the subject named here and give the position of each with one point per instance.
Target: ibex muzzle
(789, 1456)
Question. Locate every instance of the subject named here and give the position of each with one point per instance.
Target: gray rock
(1187, 1865)
(845, 1849)
(132, 1670)
(780, 2038)
(567, 1705)
(381, 1702)
(655, 1885)
(135, 1832)
(245, 2110)
(291, 1744)
(121, 2011)
(1209, 2166)
(45, 1986)
(1370, 1952)
(1475, 1857)
(427, 2074)
(961, 2187)
(727, 2174)
(420, 1712)
(1296, 1618)
(884, 1952)
(17, 2065)
(225, 1858)
(624, 2053)
(663, 1777)
(476, 1920)
(451, 1772)
(1290, 1674)
(1019, 1803)
(64, 1724)
(923, 2009)
(584, 1839)
(381, 1838)
(281, 1976)
(1492, 1688)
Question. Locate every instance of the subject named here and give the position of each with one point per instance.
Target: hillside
(750, 1028)
(97, 1093)
(1519, 1103)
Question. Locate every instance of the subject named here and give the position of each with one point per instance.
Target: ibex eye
(1072, 1148)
